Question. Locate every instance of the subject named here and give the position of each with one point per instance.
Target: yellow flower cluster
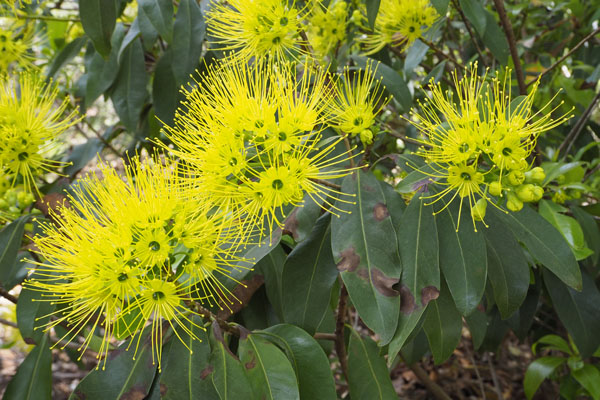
(399, 23)
(30, 124)
(130, 252)
(327, 27)
(16, 42)
(480, 144)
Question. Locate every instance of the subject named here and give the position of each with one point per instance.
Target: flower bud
(535, 175)
(356, 17)
(3, 204)
(513, 203)
(559, 197)
(538, 192)
(478, 210)
(366, 136)
(516, 177)
(495, 188)
(525, 193)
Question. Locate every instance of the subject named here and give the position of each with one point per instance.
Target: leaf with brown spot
(228, 376)
(407, 300)
(361, 241)
(442, 325)
(428, 294)
(206, 372)
(250, 364)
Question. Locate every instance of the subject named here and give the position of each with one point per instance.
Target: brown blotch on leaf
(383, 283)
(250, 364)
(349, 261)
(163, 389)
(135, 393)
(241, 296)
(290, 226)
(407, 300)
(429, 293)
(380, 212)
(206, 372)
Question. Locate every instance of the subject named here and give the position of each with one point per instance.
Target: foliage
(259, 172)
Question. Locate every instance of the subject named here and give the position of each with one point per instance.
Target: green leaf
(393, 82)
(130, 91)
(544, 243)
(419, 249)
(124, 376)
(98, 19)
(475, 13)
(310, 363)
(82, 154)
(578, 311)
(301, 220)
(414, 55)
(362, 240)
(372, 10)
(228, 376)
(271, 266)
(407, 326)
(102, 73)
(66, 54)
(415, 180)
(160, 15)
(10, 243)
(308, 276)
(368, 376)
(567, 226)
(552, 342)
(132, 34)
(442, 325)
(165, 91)
(187, 375)
(441, 6)
(33, 311)
(462, 258)
(590, 231)
(478, 325)
(539, 370)
(270, 373)
(33, 380)
(494, 39)
(508, 270)
(555, 169)
(188, 35)
(589, 378)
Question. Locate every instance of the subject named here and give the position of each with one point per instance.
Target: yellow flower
(256, 28)
(123, 242)
(16, 42)
(399, 23)
(30, 125)
(327, 27)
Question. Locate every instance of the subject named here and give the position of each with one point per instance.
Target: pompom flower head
(251, 136)
(256, 28)
(133, 252)
(327, 26)
(30, 125)
(16, 41)
(399, 23)
(477, 141)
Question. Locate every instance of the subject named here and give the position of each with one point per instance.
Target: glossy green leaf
(508, 270)
(130, 93)
(463, 258)
(589, 377)
(228, 376)
(372, 10)
(72, 49)
(544, 243)
(368, 376)
(188, 35)
(185, 374)
(301, 220)
(414, 55)
(475, 13)
(269, 372)
(522, 319)
(552, 342)
(10, 243)
(33, 311)
(539, 370)
(33, 380)
(442, 325)
(310, 363)
(578, 311)
(494, 39)
(308, 276)
(82, 154)
(366, 254)
(160, 15)
(98, 19)
(478, 324)
(393, 82)
(408, 324)
(124, 376)
(441, 6)
(567, 226)
(132, 34)
(165, 91)
(590, 231)
(271, 266)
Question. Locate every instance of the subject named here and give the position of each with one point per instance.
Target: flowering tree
(281, 199)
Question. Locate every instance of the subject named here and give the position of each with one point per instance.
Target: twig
(563, 58)
(591, 172)
(340, 345)
(48, 18)
(8, 323)
(576, 131)
(479, 380)
(468, 26)
(497, 387)
(224, 325)
(431, 386)
(512, 45)
(440, 53)
(324, 336)
(349, 149)
(4, 293)
(326, 183)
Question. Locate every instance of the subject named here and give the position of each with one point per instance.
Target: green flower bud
(516, 177)
(366, 136)
(11, 196)
(559, 197)
(495, 188)
(513, 203)
(3, 204)
(538, 192)
(535, 175)
(478, 210)
(525, 193)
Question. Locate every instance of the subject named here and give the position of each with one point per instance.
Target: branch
(324, 336)
(440, 53)
(8, 323)
(326, 183)
(4, 293)
(576, 131)
(48, 18)
(512, 45)
(563, 58)
(340, 344)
